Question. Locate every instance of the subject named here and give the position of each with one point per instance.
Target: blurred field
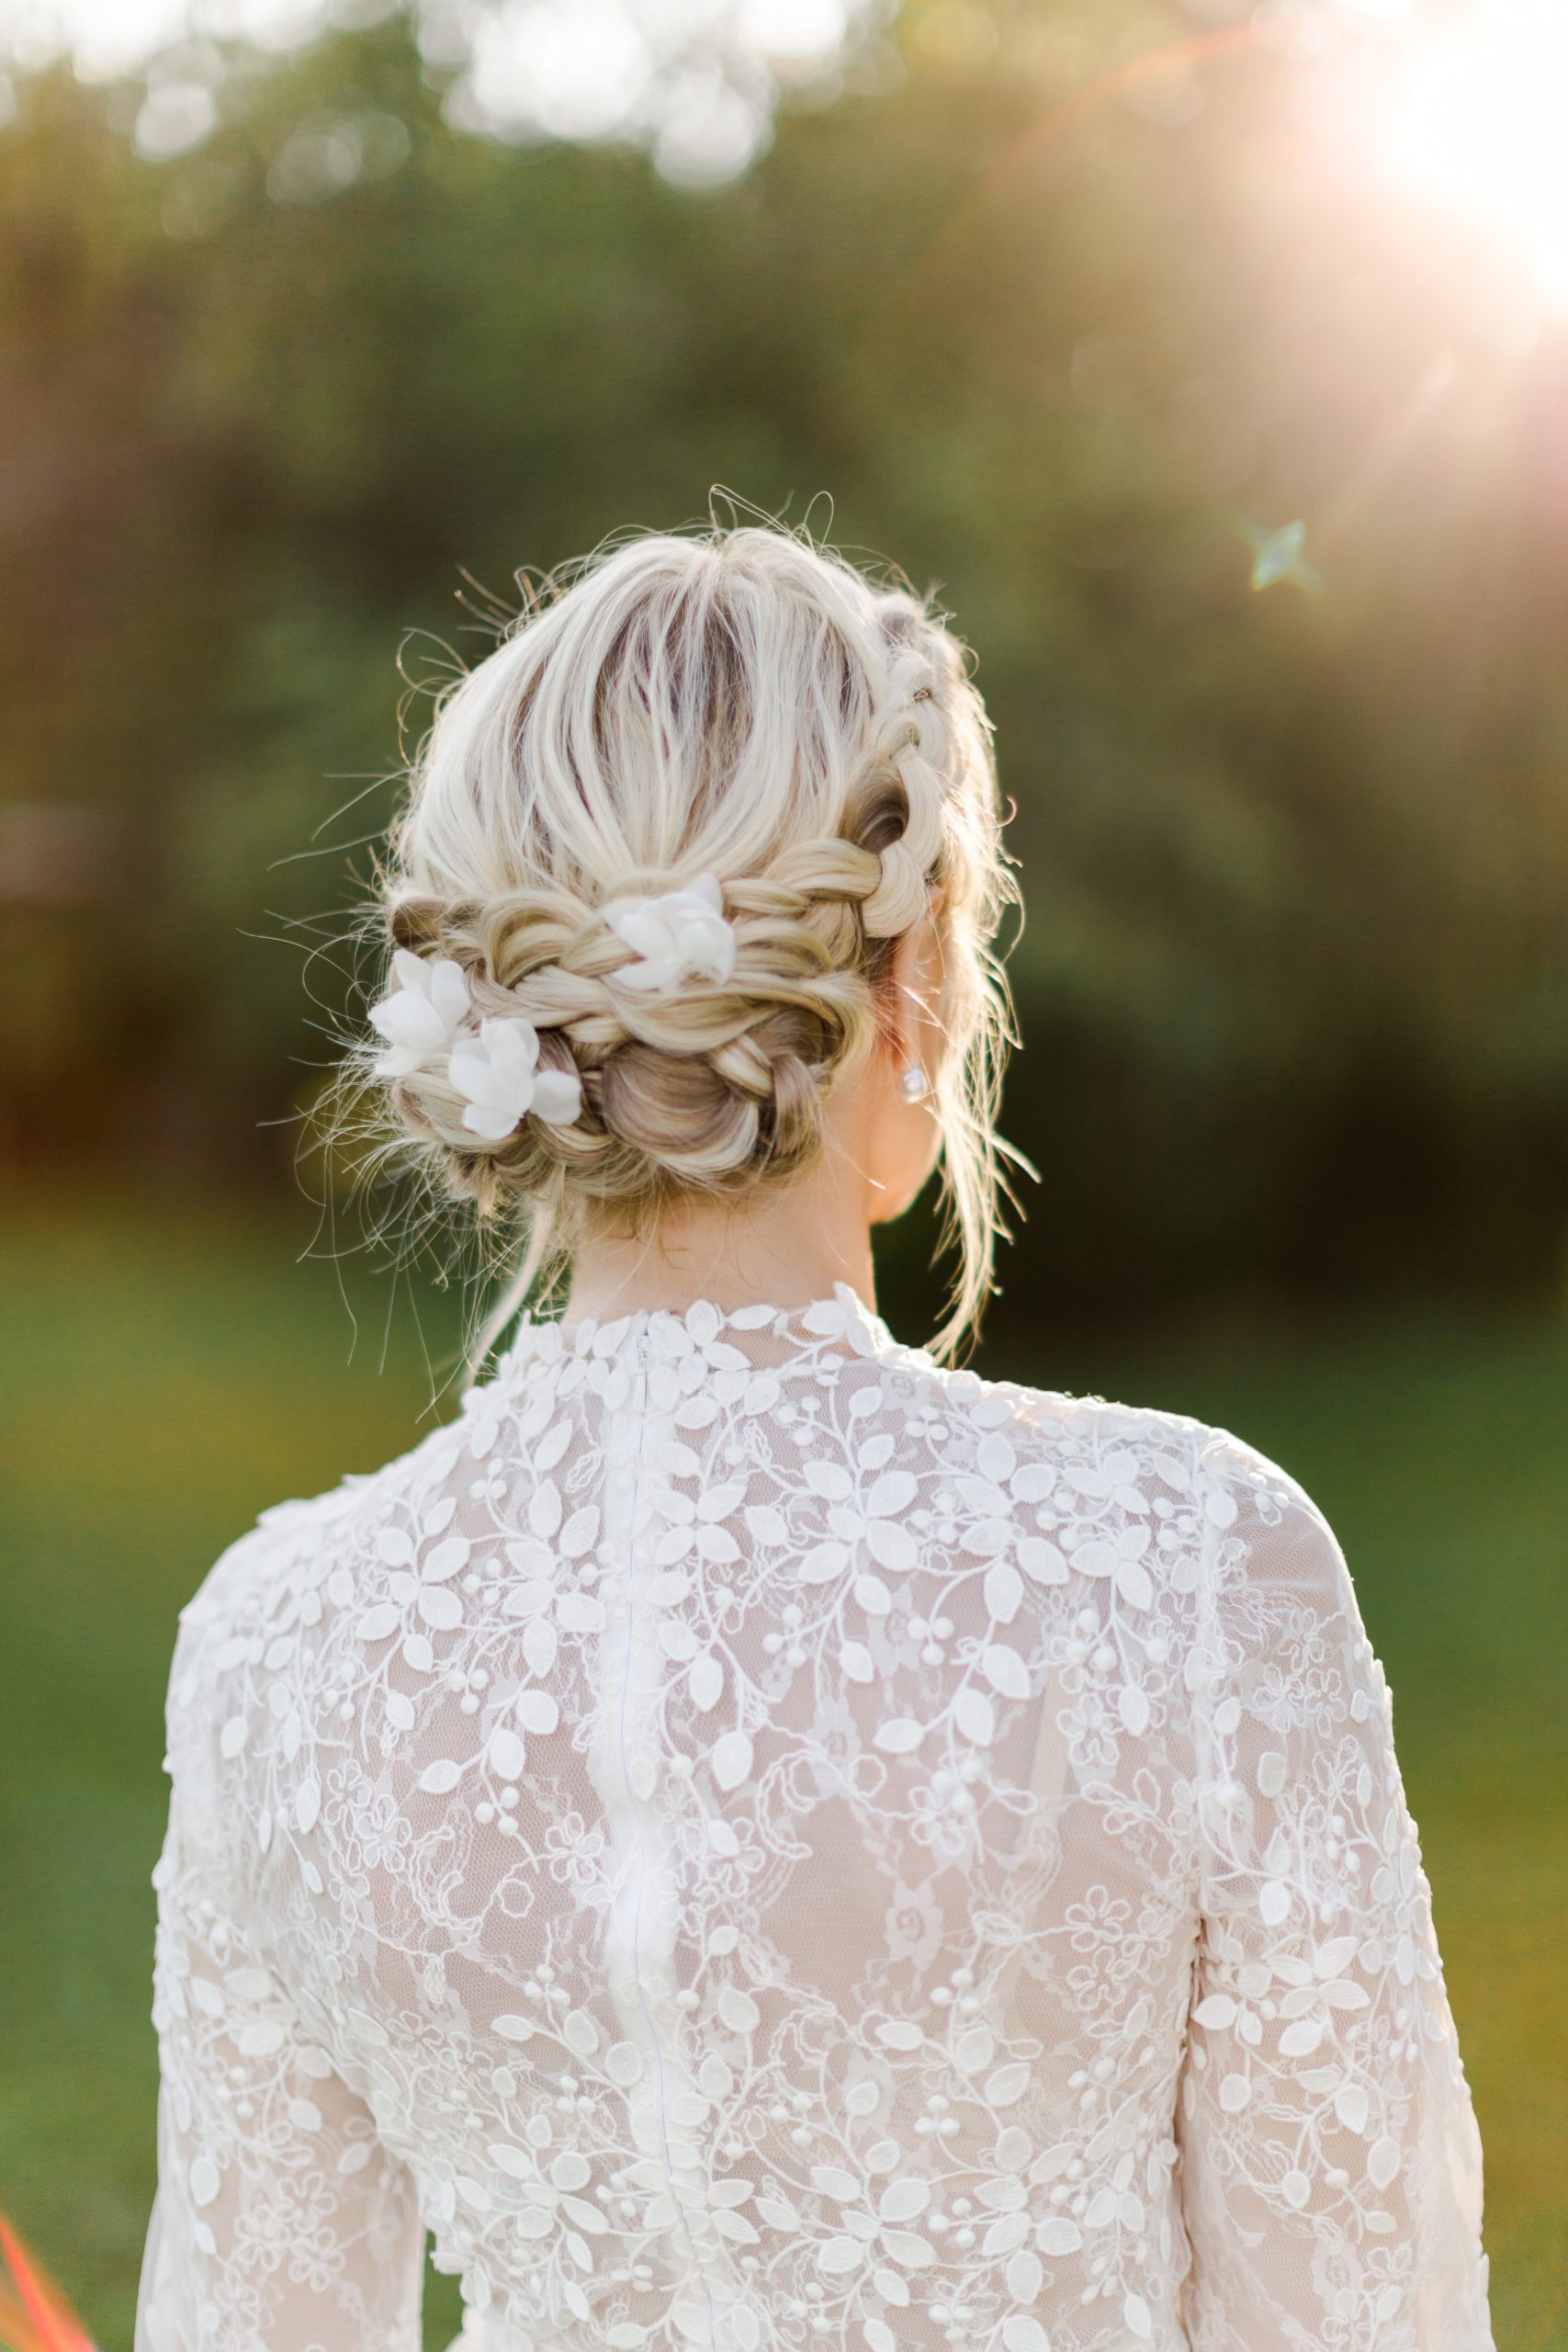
(162, 1380)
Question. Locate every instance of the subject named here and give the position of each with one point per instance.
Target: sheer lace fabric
(754, 1840)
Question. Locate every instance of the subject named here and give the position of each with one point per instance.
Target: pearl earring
(914, 1085)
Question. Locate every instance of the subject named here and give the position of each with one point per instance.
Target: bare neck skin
(785, 1249)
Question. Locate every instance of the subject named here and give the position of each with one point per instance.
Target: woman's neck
(785, 1249)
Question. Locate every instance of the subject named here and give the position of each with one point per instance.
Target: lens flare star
(1279, 556)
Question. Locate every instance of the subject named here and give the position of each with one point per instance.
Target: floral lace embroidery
(755, 1840)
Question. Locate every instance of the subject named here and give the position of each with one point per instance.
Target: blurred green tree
(1294, 983)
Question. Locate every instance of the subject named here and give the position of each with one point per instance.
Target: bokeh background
(1213, 361)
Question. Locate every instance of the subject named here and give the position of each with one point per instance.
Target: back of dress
(757, 1841)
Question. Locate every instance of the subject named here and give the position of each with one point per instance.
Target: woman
(752, 1837)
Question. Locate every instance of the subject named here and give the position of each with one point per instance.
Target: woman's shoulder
(1100, 1443)
(303, 1556)
(1089, 1453)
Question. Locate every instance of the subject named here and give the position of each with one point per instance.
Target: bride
(751, 1836)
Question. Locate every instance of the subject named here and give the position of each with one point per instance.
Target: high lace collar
(843, 1320)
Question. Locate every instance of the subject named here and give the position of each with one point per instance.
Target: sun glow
(1477, 122)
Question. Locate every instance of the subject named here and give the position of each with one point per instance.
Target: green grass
(161, 1381)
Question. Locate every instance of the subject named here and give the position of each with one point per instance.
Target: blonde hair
(741, 704)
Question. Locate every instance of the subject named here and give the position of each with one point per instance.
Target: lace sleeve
(281, 2224)
(1330, 2160)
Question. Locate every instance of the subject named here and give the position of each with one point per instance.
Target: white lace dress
(756, 1841)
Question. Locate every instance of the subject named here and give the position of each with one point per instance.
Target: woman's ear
(903, 1133)
(914, 1013)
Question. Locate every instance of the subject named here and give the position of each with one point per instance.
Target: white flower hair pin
(421, 1015)
(679, 935)
(497, 1074)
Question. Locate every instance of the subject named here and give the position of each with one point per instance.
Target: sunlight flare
(1476, 124)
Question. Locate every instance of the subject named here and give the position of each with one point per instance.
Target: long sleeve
(1330, 2163)
(281, 2222)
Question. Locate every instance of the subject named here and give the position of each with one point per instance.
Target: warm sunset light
(637, 636)
(1477, 124)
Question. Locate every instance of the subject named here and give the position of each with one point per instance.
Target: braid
(896, 801)
(738, 1071)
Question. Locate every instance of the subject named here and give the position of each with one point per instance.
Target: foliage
(1294, 985)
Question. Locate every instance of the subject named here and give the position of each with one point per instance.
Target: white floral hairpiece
(421, 1015)
(496, 1072)
(679, 935)
(499, 1074)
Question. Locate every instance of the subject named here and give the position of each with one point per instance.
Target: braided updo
(738, 706)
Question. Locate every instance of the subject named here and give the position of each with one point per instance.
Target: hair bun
(662, 838)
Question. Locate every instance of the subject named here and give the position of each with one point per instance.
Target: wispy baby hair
(667, 836)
